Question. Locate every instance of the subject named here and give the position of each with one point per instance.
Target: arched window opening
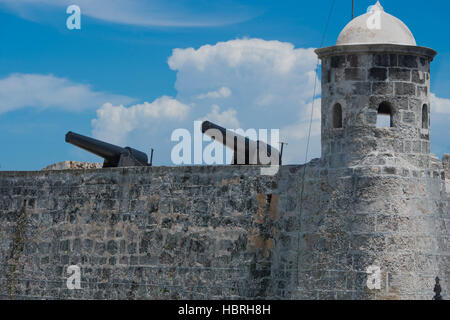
(337, 116)
(384, 118)
(425, 117)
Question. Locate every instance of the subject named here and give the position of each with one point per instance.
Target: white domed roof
(376, 27)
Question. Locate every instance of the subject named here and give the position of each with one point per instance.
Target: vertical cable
(309, 137)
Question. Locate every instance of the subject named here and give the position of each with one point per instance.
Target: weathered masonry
(376, 198)
(224, 232)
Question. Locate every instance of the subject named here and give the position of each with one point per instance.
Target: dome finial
(376, 7)
(375, 27)
(378, 4)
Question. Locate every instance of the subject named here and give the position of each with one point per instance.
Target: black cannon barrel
(138, 156)
(114, 156)
(206, 125)
(102, 149)
(244, 148)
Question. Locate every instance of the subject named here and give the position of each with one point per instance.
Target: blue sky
(168, 63)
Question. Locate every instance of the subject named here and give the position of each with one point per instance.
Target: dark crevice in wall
(269, 200)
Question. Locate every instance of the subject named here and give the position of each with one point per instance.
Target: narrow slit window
(384, 118)
(425, 117)
(337, 116)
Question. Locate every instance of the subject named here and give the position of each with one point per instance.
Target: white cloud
(439, 105)
(47, 91)
(299, 130)
(271, 84)
(296, 135)
(223, 92)
(178, 13)
(115, 123)
(279, 57)
(267, 77)
(225, 119)
(440, 118)
(267, 85)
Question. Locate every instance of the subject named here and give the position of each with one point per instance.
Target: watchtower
(375, 92)
(383, 209)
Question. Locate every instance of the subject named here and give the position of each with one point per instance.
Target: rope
(309, 137)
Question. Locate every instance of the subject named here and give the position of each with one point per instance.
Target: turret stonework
(361, 83)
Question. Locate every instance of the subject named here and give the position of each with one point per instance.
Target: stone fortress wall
(158, 233)
(215, 232)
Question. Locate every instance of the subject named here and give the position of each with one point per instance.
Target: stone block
(405, 89)
(353, 61)
(418, 77)
(361, 88)
(393, 60)
(399, 74)
(407, 61)
(382, 88)
(422, 91)
(381, 60)
(378, 74)
(408, 117)
(338, 61)
(355, 74)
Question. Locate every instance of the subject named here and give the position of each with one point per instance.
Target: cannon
(245, 151)
(114, 156)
